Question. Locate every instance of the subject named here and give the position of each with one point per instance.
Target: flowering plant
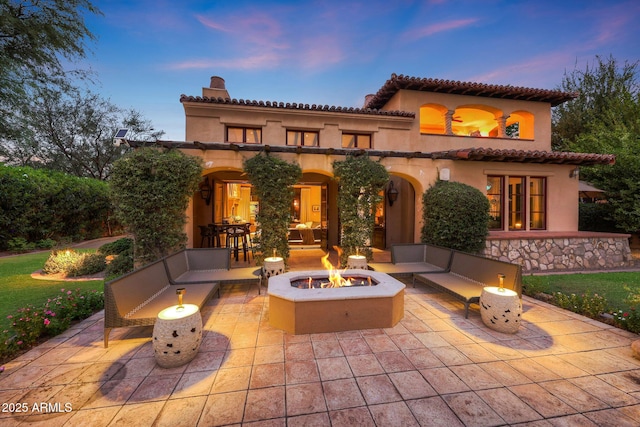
(30, 323)
(629, 320)
(587, 304)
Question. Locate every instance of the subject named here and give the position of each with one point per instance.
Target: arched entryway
(314, 213)
(397, 223)
(314, 206)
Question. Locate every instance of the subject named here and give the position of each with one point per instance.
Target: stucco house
(494, 138)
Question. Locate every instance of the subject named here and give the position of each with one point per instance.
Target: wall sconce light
(445, 174)
(575, 173)
(392, 193)
(205, 190)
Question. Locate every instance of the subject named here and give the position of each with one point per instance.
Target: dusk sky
(149, 52)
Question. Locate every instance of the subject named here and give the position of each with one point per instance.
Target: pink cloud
(266, 60)
(439, 27)
(259, 40)
(533, 72)
(211, 24)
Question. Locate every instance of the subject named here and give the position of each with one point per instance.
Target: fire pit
(335, 308)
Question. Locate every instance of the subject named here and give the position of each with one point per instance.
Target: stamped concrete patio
(434, 368)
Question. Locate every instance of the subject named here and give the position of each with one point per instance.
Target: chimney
(367, 100)
(216, 89)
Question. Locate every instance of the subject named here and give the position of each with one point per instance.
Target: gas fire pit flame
(334, 276)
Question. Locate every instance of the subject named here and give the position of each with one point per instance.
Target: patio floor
(434, 368)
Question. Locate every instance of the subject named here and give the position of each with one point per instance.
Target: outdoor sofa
(136, 298)
(410, 258)
(203, 265)
(468, 274)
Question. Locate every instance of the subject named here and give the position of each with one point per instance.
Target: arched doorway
(314, 212)
(397, 223)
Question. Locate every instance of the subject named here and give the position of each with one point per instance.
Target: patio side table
(273, 266)
(500, 309)
(357, 262)
(177, 334)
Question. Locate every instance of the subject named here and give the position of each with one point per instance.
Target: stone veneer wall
(563, 253)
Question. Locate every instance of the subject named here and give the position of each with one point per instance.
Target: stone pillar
(448, 118)
(502, 126)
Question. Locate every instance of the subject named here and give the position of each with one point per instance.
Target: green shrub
(587, 304)
(117, 247)
(629, 320)
(119, 265)
(20, 244)
(32, 322)
(88, 264)
(455, 216)
(273, 180)
(360, 182)
(150, 190)
(40, 204)
(74, 264)
(45, 244)
(596, 217)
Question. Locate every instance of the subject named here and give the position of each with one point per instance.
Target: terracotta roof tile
(294, 106)
(466, 154)
(523, 156)
(398, 82)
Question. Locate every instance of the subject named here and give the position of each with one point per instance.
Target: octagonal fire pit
(307, 302)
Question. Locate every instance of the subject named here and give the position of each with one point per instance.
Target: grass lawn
(18, 289)
(609, 285)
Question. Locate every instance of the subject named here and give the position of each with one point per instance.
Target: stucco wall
(406, 100)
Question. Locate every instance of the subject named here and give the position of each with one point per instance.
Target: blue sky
(149, 52)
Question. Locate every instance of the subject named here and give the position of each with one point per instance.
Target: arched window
(520, 125)
(432, 118)
(475, 120)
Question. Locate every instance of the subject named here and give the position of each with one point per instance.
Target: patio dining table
(234, 232)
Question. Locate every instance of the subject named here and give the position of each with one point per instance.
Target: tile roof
(524, 156)
(294, 106)
(399, 82)
(466, 154)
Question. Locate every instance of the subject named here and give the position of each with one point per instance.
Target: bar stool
(249, 241)
(235, 237)
(205, 234)
(215, 235)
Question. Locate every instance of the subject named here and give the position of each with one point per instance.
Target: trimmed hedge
(455, 216)
(150, 191)
(273, 180)
(38, 206)
(360, 182)
(596, 217)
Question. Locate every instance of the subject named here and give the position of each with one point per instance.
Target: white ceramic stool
(357, 262)
(177, 334)
(273, 266)
(500, 309)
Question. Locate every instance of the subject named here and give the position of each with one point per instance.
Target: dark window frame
(544, 202)
(244, 134)
(357, 136)
(518, 207)
(302, 134)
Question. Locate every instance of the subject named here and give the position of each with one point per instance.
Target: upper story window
(356, 140)
(477, 121)
(303, 138)
(244, 135)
